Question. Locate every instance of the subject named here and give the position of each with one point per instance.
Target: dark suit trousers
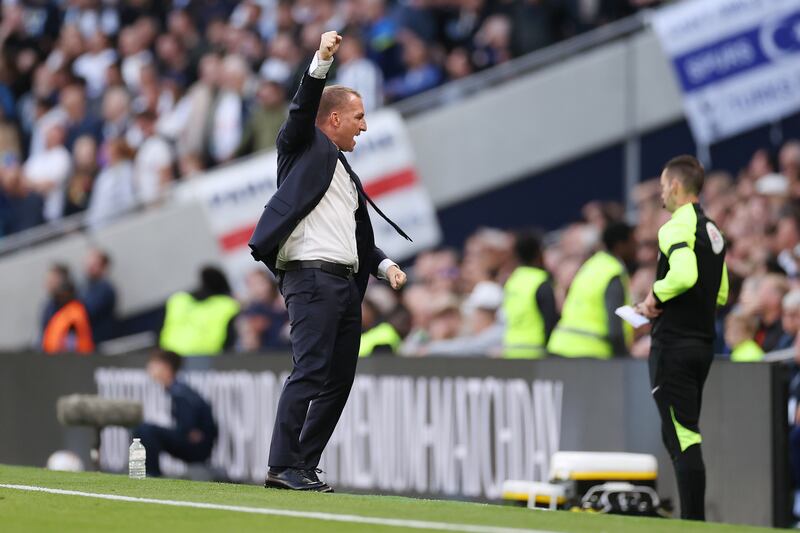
(325, 314)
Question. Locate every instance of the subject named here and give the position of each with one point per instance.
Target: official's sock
(690, 472)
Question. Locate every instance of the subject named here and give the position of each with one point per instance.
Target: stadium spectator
(187, 123)
(195, 430)
(787, 239)
(230, 110)
(529, 302)
(57, 275)
(789, 163)
(266, 120)
(153, 163)
(790, 321)
(115, 112)
(483, 331)
(113, 194)
(739, 331)
(589, 326)
(67, 329)
(387, 336)
(20, 208)
(420, 73)
(135, 54)
(99, 295)
(46, 173)
(93, 64)
(201, 322)
(79, 121)
(446, 320)
(84, 170)
(771, 290)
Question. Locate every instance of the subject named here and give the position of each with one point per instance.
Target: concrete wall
(545, 118)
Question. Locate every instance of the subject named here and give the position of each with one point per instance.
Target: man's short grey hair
(792, 300)
(334, 97)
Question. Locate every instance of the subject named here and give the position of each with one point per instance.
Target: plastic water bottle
(136, 460)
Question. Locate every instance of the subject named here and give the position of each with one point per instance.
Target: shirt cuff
(383, 267)
(319, 67)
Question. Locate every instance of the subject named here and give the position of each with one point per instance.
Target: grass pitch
(26, 511)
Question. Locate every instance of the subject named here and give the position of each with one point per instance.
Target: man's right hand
(329, 44)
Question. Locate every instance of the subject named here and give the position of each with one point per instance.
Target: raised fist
(329, 44)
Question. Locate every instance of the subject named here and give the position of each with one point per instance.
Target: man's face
(94, 265)
(791, 320)
(668, 190)
(53, 281)
(349, 122)
(160, 372)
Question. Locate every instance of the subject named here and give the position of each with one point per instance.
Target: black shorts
(677, 376)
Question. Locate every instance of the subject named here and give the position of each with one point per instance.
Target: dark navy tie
(363, 194)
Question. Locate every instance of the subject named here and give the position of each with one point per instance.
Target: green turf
(33, 512)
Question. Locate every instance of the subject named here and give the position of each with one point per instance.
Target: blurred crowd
(453, 304)
(104, 104)
(455, 298)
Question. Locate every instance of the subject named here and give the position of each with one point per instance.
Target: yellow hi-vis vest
(197, 327)
(381, 335)
(525, 336)
(583, 328)
(747, 352)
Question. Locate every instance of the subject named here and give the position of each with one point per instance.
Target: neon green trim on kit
(686, 437)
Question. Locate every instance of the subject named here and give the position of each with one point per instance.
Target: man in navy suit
(316, 236)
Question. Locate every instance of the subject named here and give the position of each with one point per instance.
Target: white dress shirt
(328, 232)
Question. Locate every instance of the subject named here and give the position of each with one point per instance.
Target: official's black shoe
(312, 474)
(293, 479)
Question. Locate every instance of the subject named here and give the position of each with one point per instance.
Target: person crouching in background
(192, 438)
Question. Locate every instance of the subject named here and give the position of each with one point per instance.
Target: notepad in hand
(629, 315)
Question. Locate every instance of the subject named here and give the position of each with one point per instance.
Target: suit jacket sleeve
(377, 257)
(298, 130)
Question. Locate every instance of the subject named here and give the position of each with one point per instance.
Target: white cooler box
(617, 483)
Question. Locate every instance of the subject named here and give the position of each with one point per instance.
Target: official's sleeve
(378, 261)
(676, 241)
(722, 295)
(546, 302)
(614, 298)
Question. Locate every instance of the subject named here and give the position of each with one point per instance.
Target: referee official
(691, 281)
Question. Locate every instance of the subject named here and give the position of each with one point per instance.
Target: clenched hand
(329, 44)
(397, 278)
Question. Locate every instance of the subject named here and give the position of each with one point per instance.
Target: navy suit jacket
(306, 163)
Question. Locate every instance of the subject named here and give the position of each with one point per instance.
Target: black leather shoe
(293, 479)
(311, 473)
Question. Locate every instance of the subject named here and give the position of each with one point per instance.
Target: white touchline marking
(357, 519)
